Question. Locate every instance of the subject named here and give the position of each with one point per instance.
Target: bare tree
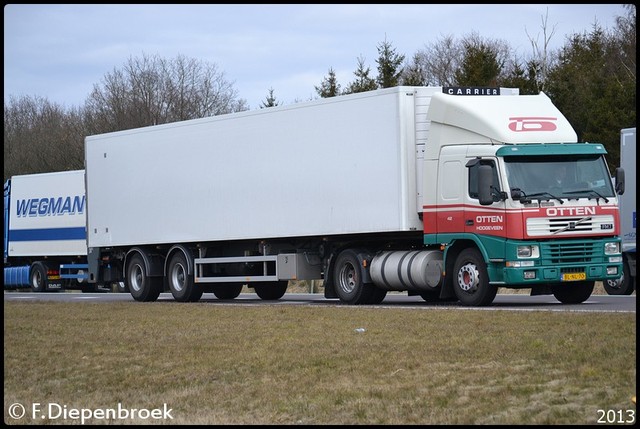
(440, 60)
(151, 90)
(39, 137)
(543, 58)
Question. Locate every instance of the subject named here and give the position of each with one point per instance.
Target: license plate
(572, 277)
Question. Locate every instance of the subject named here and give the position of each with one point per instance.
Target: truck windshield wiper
(537, 196)
(588, 191)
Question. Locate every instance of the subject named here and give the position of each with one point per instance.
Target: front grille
(569, 253)
(566, 226)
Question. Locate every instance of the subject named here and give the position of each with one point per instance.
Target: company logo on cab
(532, 124)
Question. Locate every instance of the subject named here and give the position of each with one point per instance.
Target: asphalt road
(518, 302)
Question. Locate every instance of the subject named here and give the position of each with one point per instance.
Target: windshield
(552, 177)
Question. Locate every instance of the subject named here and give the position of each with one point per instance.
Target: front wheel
(573, 293)
(471, 281)
(142, 287)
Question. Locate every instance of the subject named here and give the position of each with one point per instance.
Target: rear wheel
(349, 283)
(471, 281)
(180, 282)
(271, 291)
(142, 287)
(39, 279)
(573, 293)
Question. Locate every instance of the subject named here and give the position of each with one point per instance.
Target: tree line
(591, 79)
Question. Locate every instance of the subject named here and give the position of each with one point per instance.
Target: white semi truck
(439, 192)
(626, 284)
(45, 237)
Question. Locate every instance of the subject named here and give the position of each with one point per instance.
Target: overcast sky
(59, 52)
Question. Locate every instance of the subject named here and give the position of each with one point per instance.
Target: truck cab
(517, 202)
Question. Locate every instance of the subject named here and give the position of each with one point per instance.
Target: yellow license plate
(572, 277)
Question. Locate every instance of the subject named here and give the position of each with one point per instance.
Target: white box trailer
(45, 231)
(383, 190)
(322, 168)
(627, 283)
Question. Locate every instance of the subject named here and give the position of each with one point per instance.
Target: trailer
(45, 237)
(439, 192)
(626, 284)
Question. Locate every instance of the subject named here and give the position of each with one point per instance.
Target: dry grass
(231, 364)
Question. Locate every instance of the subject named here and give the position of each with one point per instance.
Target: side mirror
(620, 180)
(485, 181)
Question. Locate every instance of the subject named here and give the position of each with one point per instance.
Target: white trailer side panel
(341, 165)
(628, 199)
(47, 215)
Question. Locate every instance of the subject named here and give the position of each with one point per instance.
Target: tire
(122, 287)
(573, 293)
(471, 280)
(271, 291)
(227, 290)
(141, 286)
(181, 284)
(349, 285)
(625, 285)
(38, 277)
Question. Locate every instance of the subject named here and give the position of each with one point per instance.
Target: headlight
(528, 251)
(612, 248)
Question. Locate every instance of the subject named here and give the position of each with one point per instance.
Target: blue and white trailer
(45, 234)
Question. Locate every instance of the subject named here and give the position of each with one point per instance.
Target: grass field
(231, 364)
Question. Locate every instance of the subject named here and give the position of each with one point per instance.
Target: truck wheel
(350, 287)
(142, 287)
(181, 284)
(227, 291)
(39, 280)
(573, 293)
(471, 282)
(622, 286)
(271, 291)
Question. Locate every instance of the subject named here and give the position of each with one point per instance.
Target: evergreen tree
(389, 63)
(413, 74)
(270, 100)
(329, 86)
(363, 81)
(523, 79)
(479, 66)
(594, 90)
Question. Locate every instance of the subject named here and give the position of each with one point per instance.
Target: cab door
(484, 220)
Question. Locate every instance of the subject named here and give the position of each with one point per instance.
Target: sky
(60, 51)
